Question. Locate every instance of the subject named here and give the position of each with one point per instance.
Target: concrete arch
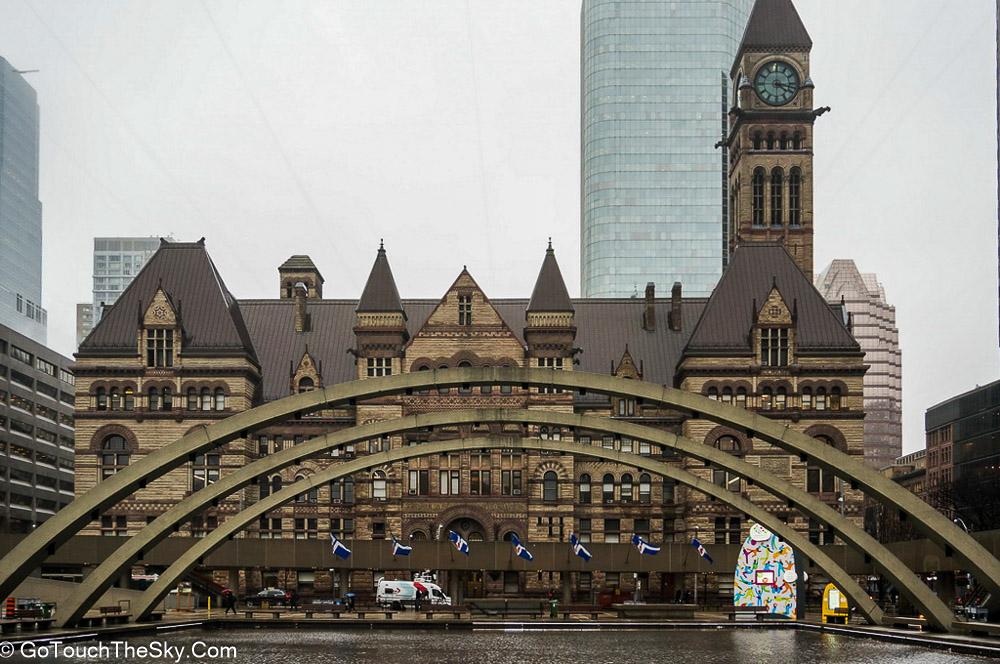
(97, 581)
(191, 558)
(32, 550)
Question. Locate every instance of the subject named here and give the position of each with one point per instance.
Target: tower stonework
(771, 137)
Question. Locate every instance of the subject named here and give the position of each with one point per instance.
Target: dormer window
(159, 347)
(465, 310)
(774, 346)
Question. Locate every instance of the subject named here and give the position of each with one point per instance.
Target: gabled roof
(726, 323)
(550, 292)
(380, 293)
(774, 25)
(209, 315)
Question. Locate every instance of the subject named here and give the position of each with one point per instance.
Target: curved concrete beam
(234, 524)
(32, 550)
(94, 585)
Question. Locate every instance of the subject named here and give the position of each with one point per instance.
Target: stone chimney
(299, 296)
(649, 313)
(676, 319)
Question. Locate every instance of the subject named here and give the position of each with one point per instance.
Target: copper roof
(774, 25)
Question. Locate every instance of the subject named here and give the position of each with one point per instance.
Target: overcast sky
(451, 129)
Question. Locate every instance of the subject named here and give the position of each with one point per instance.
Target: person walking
(229, 601)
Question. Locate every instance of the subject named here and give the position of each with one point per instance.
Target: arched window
(220, 399)
(724, 478)
(507, 388)
(741, 397)
(129, 400)
(727, 394)
(543, 433)
(443, 390)
(486, 389)
(780, 398)
(835, 398)
(102, 399)
(276, 484)
(418, 536)
(766, 396)
(206, 399)
(423, 367)
(821, 480)
(820, 403)
(263, 487)
(192, 399)
(777, 194)
(204, 471)
(153, 400)
(796, 141)
(464, 389)
(306, 384)
(645, 488)
(807, 398)
(608, 488)
(585, 489)
(168, 399)
(114, 455)
(758, 141)
(348, 490)
(795, 197)
(713, 393)
(784, 141)
(379, 489)
(758, 197)
(550, 487)
(626, 489)
(310, 496)
(116, 399)
(770, 141)
(556, 433)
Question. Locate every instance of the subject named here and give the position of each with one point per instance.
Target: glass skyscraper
(654, 99)
(20, 210)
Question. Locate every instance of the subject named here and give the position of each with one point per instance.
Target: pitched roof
(210, 316)
(550, 292)
(728, 318)
(380, 293)
(773, 25)
(604, 328)
(299, 263)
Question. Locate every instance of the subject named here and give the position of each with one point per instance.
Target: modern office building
(36, 432)
(655, 93)
(20, 210)
(116, 262)
(873, 321)
(963, 456)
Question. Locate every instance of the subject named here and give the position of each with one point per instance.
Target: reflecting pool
(715, 646)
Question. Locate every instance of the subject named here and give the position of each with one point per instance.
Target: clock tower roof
(774, 25)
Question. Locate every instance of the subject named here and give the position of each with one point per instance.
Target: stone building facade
(178, 350)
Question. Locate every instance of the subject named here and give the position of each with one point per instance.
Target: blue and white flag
(519, 548)
(400, 549)
(459, 542)
(339, 549)
(645, 548)
(578, 547)
(701, 549)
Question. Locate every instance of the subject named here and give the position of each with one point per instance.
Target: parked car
(272, 596)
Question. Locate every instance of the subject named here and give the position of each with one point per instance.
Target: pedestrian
(293, 599)
(229, 601)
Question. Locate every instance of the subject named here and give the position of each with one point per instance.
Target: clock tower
(770, 143)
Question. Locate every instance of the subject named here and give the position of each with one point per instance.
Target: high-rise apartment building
(116, 262)
(20, 210)
(873, 322)
(655, 94)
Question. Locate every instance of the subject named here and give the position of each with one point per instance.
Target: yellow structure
(835, 609)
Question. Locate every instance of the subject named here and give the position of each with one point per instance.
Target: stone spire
(550, 294)
(380, 293)
(774, 25)
(551, 326)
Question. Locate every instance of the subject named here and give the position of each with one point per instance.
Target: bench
(249, 613)
(311, 612)
(361, 613)
(456, 612)
(593, 611)
(978, 628)
(903, 621)
(747, 613)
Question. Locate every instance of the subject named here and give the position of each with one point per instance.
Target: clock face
(776, 83)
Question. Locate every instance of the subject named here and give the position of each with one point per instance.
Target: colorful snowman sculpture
(765, 573)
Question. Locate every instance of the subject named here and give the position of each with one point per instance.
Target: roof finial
(550, 244)
(381, 244)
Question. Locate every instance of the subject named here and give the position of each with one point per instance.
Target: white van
(401, 594)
